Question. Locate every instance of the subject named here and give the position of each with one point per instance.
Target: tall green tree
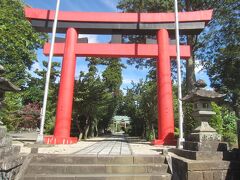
(32, 96)
(219, 47)
(88, 96)
(168, 6)
(96, 97)
(130, 106)
(18, 41)
(10, 113)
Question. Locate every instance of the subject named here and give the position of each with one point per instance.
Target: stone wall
(185, 169)
(10, 161)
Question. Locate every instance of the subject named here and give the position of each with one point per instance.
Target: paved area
(114, 145)
(117, 144)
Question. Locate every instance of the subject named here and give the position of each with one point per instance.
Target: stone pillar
(66, 89)
(164, 91)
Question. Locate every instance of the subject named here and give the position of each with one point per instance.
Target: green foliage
(229, 127)
(230, 137)
(140, 104)
(176, 133)
(34, 92)
(119, 128)
(220, 50)
(146, 5)
(36, 84)
(167, 6)
(150, 135)
(9, 114)
(18, 41)
(189, 122)
(229, 121)
(216, 120)
(96, 98)
(225, 123)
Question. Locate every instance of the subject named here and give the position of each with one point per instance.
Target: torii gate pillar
(65, 94)
(164, 92)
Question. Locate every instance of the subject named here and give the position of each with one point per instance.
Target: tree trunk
(91, 131)
(236, 104)
(153, 131)
(96, 130)
(80, 136)
(86, 131)
(190, 65)
(190, 74)
(86, 128)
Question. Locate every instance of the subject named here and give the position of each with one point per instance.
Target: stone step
(36, 168)
(6, 141)
(86, 159)
(162, 176)
(10, 162)
(198, 155)
(9, 151)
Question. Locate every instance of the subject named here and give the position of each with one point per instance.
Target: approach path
(117, 144)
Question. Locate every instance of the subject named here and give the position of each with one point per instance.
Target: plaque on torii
(74, 23)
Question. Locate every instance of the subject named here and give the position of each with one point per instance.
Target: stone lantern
(9, 156)
(5, 85)
(204, 142)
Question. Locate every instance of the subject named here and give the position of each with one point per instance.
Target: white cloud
(91, 38)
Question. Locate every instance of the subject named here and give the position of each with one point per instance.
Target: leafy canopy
(18, 41)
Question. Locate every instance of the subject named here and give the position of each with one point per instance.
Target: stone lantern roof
(200, 93)
(6, 85)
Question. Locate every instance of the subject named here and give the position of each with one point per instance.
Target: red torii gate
(115, 23)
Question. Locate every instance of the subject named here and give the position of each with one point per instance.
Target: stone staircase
(75, 167)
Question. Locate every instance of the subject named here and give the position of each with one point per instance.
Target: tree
(32, 96)
(88, 95)
(168, 6)
(219, 47)
(224, 121)
(216, 121)
(30, 116)
(18, 41)
(96, 98)
(9, 114)
(130, 106)
(36, 82)
(146, 5)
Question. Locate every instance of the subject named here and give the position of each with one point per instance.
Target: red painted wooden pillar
(164, 91)
(66, 89)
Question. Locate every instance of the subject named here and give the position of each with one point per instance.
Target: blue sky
(130, 73)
